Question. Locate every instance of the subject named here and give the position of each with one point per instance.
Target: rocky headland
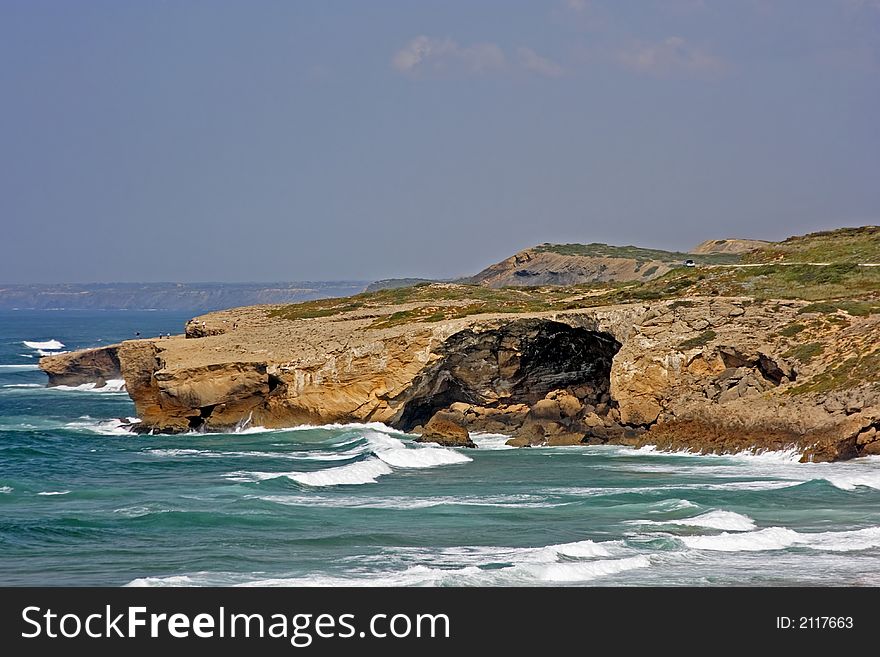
(719, 357)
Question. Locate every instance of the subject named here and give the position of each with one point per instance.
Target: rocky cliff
(574, 264)
(717, 357)
(709, 374)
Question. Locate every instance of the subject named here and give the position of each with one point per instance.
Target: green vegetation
(846, 374)
(792, 330)
(456, 300)
(853, 289)
(851, 307)
(843, 286)
(805, 352)
(699, 341)
(598, 250)
(846, 245)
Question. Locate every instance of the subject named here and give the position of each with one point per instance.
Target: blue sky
(260, 141)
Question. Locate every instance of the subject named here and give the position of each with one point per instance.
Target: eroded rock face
(87, 366)
(517, 363)
(444, 431)
(706, 374)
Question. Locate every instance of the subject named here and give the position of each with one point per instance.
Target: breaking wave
(48, 345)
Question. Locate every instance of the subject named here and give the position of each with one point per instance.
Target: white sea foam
(791, 455)
(361, 472)
(599, 491)
(779, 538)
(717, 519)
(374, 426)
(419, 575)
(782, 465)
(174, 580)
(846, 541)
(52, 345)
(54, 492)
(5, 490)
(406, 503)
(582, 572)
(665, 506)
(45, 352)
(849, 480)
(24, 385)
(491, 441)
(139, 511)
(580, 549)
(395, 453)
(111, 385)
(113, 427)
(771, 538)
(22, 368)
(310, 455)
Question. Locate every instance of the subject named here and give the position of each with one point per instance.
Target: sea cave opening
(516, 363)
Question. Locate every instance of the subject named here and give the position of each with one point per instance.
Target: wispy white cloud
(425, 55)
(671, 56)
(532, 61)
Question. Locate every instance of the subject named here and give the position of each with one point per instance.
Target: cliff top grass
(784, 270)
(441, 301)
(598, 250)
(844, 245)
(798, 281)
(845, 287)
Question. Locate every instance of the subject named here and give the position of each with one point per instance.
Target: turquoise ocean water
(83, 502)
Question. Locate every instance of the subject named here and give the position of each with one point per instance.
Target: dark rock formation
(518, 363)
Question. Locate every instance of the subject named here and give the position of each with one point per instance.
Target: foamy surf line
(522, 575)
(111, 386)
(387, 452)
(13, 367)
(362, 472)
(395, 453)
(780, 538)
(574, 562)
(791, 455)
(718, 519)
(402, 503)
(114, 427)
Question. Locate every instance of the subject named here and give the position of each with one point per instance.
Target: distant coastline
(190, 297)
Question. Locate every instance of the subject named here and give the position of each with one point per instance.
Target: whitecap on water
(388, 452)
(717, 519)
(780, 538)
(15, 367)
(362, 472)
(575, 562)
(51, 345)
(54, 492)
(395, 453)
(403, 503)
